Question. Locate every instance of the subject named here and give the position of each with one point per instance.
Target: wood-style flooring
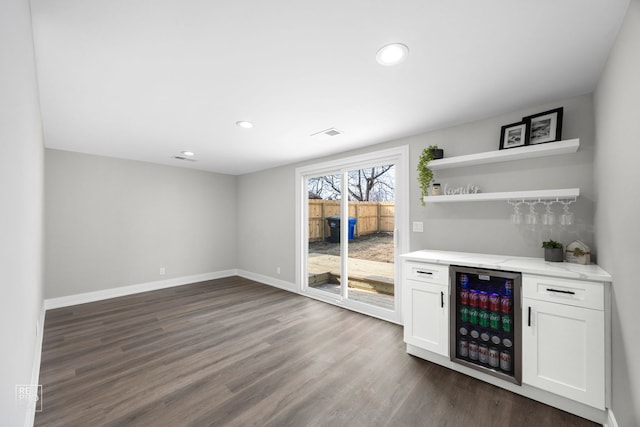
(233, 352)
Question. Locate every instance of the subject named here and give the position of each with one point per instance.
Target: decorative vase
(553, 255)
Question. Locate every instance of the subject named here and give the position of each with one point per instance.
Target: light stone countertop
(512, 263)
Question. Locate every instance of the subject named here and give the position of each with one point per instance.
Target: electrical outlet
(162, 271)
(417, 226)
(278, 270)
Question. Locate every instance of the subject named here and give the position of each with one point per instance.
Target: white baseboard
(287, 286)
(35, 370)
(611, 420)
(83, 298)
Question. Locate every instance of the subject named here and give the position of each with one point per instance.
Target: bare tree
(375, 184)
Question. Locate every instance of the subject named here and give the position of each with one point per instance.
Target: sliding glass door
(348, 233)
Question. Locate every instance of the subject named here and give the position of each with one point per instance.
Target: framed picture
(545, 127)
(513, 135)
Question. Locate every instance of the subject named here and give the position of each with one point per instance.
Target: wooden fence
(371, 217)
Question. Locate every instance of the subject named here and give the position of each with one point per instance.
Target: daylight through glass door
(355, 241)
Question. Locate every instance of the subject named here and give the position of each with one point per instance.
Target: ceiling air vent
(327, 133)
(186, 159)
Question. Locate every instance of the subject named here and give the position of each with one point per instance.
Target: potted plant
(425, 175)
(553, 251)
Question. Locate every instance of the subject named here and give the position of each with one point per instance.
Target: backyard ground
(372, 247)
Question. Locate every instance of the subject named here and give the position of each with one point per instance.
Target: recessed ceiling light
(392, 54)
(244, 124)
(188, 153)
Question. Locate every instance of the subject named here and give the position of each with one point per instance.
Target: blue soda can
(464, 281)
(508, 287)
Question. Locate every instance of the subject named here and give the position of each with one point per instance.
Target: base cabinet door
(426, 308)
(563, 350)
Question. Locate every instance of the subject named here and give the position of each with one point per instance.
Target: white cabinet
(563, 338)
(425, 305)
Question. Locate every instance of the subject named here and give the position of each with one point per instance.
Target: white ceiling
(145, 80)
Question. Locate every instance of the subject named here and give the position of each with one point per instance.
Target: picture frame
(544, 127)
(514, 135)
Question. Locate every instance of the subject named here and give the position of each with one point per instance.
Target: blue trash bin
(334, 226)
(352, 226)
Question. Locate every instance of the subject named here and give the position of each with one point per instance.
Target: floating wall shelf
(520, 153)
(544, 195)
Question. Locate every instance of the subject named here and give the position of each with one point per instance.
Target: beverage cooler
(486, 324)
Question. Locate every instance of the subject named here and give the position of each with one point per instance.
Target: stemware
(517, 217)
(566, 218)
(548, 218)
(532, 218)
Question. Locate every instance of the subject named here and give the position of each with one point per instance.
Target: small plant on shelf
(425, 175)
(553, 251)
(579, 252)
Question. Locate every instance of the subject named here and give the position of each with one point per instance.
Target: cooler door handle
(560, 291)
(441, 299)
(529, 322)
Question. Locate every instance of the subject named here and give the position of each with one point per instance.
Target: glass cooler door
(486, 321)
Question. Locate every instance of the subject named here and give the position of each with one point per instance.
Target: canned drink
(494, 321)
(464, 330)
(494, 302)
(485, 336)
(483, 300)
(507, 342)
(474, 334)
(464, 313)
(464, 281)
(464, 297)
(473, 350)
(473, 316)
(494, 357)
(463, 348)
(483, 318)
(506, 323)
(505, 360)
(495, 338)
(505, 305)
(473, 298)
(483, 353)
(508, 287)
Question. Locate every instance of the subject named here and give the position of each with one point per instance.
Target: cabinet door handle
(560, 291)
(441, 299)
(529, 322)
(424, 272)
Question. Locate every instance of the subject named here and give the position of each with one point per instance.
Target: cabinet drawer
(564, 291)
(425, 272)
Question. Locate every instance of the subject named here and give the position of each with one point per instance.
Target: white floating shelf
(565, 193)
(519, 153)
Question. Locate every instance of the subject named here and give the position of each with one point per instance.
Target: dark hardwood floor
(234, 352)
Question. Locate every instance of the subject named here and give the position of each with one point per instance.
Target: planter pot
(554, 255)
(438, 154)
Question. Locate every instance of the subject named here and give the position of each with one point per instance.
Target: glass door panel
(371, 243)
(323, 242)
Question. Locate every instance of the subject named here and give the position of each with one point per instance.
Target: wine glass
(517, 217)
(548, 218)
(566, 218)
(532, 218)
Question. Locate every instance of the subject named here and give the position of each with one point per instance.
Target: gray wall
(485, 227)
(473, 227)
(113, 222)
(21, 192)
(618, 209)
(266, 215)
